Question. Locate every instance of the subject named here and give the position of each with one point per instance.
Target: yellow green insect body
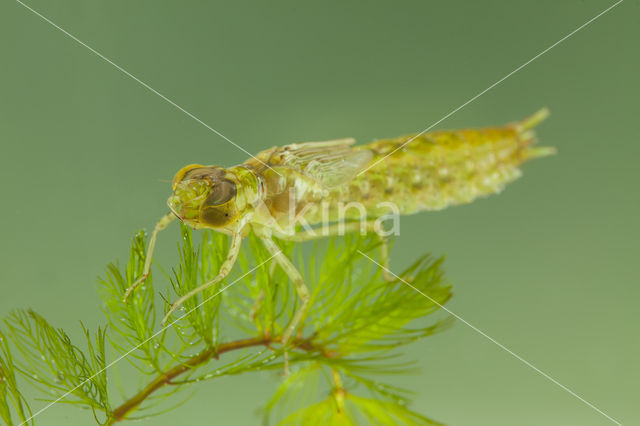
(314, 183)
(431, 172)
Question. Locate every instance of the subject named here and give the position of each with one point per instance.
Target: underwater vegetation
(354, 333)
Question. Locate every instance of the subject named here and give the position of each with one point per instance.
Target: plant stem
(165, 378)
(121, 412)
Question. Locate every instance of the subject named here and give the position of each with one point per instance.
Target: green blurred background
(548, 268)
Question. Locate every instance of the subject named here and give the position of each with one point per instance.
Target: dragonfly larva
(312, 181)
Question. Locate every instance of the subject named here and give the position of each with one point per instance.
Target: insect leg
(371, 226)
(256, 305)
(225, 268)
(261, 295)
(384, 257)
(162, 223)
(301, 288)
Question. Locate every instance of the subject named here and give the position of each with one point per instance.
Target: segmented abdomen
(442, 168)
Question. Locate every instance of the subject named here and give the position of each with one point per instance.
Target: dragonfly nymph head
(205, 196)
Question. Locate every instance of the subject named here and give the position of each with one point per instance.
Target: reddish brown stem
(121, 412)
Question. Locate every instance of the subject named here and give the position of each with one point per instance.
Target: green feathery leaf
(350, 337)
(51, 361)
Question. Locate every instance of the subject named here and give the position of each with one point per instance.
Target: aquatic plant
(356, 327)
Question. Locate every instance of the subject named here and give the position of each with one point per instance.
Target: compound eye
(182, 173)
(222, 192)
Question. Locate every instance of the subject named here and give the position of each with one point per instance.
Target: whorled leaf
(10, 397)
(355, 323)
(57, 366)
(132, 322)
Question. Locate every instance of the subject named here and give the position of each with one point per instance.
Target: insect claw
(172, 309)
(135, 285)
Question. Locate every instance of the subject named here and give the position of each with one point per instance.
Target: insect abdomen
(445, 168)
